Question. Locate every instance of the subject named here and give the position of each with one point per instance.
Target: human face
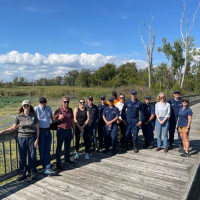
(43, 103)
(176, 95)
(26, 107)
(65, 102)
(121, 98)
(82, 103)
(111, 103)
(184, 103)
(133, 96)
(147, 101)
(162, 98)
(90, 101)
(102, 101)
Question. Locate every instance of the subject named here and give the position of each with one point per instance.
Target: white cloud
(39, 10)
(4, 45)
(125, 16)
(37, 66)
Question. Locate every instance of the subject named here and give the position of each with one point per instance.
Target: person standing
(176, 104)
(148, 123)
(162, 111)
(44, 115)
(64, 132)
(27, 124)
(184, 123)
(116, 99)
(120, 123)
(92, 125)
(101, 123)
(81, 119)
(110, 117)
(130, 116)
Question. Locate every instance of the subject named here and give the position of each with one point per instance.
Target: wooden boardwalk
(147, 175)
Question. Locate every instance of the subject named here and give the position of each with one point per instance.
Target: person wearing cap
(176, 104)
(44, 115)
(27, 124)
(120, 123)
(92, 125)
(64, 132)
(101, 123)
(148, 123)
(110, 117)
(162, 111)
(130, 116)
(184, 123)
(116, 99)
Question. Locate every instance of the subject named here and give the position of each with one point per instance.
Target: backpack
(54, 124)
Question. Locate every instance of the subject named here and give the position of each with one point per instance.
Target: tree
(186, 40)
(149, 49)
(70, 78)
(83, 78)
(15, 81)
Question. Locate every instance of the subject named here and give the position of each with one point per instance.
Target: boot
(146, 145)
(126, 148)
(135, 147)
(170, 146)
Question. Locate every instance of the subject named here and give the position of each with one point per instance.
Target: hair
(122, 94)
(21, 109)
(158, 97)
(82, 99)
(65, 97)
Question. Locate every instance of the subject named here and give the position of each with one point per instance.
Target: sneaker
(69, 162)
(106, 150)
(87, 156)
(151, 146)
(114, 151)
(170, 147)
(165, 150)
(21, 177)
(135, 148)
(50, 172)
(77, 156)
(158, 149)
(59, 167)
(180, 146)
(181, 150)
(185, 154)
(33, 176)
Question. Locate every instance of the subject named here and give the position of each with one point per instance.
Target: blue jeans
(63, 135)
(92, 130)
(27, 144)
(162, 128)
(45, 147)
(135, 130)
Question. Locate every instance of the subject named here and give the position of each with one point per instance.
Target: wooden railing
(9, 157)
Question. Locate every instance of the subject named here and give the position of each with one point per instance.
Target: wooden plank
(9, 175)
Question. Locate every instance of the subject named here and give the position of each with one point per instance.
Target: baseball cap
(110, 99)
(185, 99)
(26, 102)
(102, 97)
(114, 93)
(90, 98)
(134, 92)
(177, 91)
(42, 99)
(148, 97)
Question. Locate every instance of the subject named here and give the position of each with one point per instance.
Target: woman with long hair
(184, 122)
(27, 124)
(81, 119)
(162, 111)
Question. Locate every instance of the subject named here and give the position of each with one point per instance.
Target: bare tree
(150, 47)
(186, 40)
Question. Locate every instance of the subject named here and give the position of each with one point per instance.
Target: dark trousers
(45, 147)
(101, 125)
(85, 138)
(172, 127)
(26, 144)
(122, 130)
(92, 130)
(135, 129)
(63, 135)
(147, 131)
(110, 135)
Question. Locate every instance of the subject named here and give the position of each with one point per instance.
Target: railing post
(4, 158)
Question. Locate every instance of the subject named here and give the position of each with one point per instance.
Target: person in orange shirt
(114, 96)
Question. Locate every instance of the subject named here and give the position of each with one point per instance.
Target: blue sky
(48, 38)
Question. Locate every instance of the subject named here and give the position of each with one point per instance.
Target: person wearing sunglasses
(184, 123)
(81, 118)
(110, 116)
(93, 122)
(120, 123)
(176, 104)
(162, 111)
(101, 123)
(44, 115)
(64, 132)
(27, 124)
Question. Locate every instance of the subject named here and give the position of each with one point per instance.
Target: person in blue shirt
(44, 115)
(130, 116)
(184, 123)
(176, 104)
(110, 117)
(148, 124)
(101, 123)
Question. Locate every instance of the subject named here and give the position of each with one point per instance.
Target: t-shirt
(111, 113)
(120, 105)
(183, 116)
(148, 111)
(27, 124)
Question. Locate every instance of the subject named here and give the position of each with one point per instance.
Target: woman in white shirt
(162, 111)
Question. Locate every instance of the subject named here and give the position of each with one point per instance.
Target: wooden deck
(147, 175)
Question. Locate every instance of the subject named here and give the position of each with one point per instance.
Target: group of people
(111, 118)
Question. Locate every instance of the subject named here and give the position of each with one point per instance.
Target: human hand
(60, 118)
(125, 123)
(35, 143)
(161, 122)
(139, 123)
(145, 123)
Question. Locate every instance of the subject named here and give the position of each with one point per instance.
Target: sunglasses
(65, 101)
(102, 99)
(26, 106)
(81, 102)
(121, 97)
(184, 102)
(42, 101)
(162, 97)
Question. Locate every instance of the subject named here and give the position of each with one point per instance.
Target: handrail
(8, 140)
